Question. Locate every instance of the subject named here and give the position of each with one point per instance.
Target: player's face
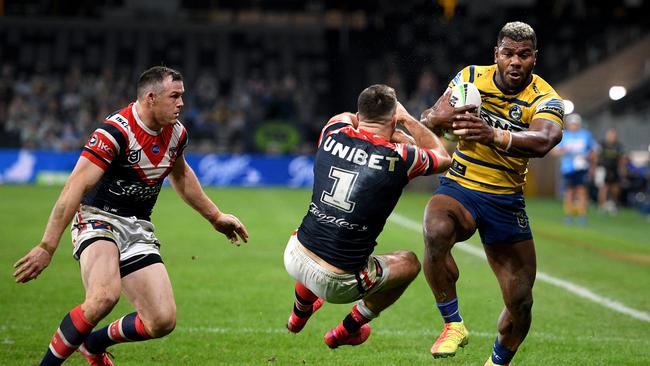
(167, 103)
(515, 61)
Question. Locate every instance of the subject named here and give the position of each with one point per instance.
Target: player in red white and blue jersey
(109, 197)
(360, 169)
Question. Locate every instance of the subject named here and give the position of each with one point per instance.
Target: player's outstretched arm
(84, 176)
(184, 181)
(424, 138)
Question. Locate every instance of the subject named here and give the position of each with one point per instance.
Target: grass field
(233, 302)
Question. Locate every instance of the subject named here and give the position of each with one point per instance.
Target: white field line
(414, 333)
(541, 276)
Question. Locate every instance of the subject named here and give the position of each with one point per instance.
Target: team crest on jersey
(134, 156)
(93, 140)
(173, 151)
(155, 149)
(515, 112)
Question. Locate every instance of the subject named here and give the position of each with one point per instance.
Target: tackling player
(521, 118)
(111, 193)
(359, 175)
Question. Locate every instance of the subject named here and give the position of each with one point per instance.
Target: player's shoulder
(121, 118)
(539, 86)
(473, 74)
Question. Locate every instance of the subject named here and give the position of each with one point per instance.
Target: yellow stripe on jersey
(487, 168)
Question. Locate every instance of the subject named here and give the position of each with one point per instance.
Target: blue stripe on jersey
(471, 74)
(553, 113)
(455, 174)
(514, 100)
(510, 100)
(485, 163)
(520, 124)
(117, 135)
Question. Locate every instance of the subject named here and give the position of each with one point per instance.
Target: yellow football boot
(453, 336)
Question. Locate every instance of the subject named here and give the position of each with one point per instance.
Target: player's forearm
(424, 138)
(61, 215)
(529, 144)
(189, 189)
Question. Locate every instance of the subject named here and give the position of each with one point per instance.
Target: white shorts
(138, 246)
(334, 287)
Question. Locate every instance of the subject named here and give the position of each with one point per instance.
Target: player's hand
(31, 265)
(231, 227)
(472, 128)
(441, 115)
(401, 113)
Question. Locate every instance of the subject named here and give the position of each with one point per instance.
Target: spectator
(611, 163)
(577, 158)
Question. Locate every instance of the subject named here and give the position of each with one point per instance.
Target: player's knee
(162, 324)
(520, 304)
(414, 263)
(100, 303)
(438, 238)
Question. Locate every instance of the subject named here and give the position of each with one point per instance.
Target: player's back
(358, 179)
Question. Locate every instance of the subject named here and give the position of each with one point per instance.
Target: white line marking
(541, 276)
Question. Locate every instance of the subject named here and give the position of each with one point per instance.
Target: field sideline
(233, 302)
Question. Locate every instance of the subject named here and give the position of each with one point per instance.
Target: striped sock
(68, 337)
(302, 307)
(359, 316)
(449, 311)
(128, 328)
(500, 354)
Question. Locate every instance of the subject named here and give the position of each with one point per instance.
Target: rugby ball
(463, 94)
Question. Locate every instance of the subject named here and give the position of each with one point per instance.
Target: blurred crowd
(48, 111)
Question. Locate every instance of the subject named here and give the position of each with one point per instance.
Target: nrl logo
(134, 156)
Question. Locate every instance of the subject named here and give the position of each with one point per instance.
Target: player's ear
(496, 54)
(151, 97)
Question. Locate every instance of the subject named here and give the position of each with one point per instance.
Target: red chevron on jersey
(151, 153)
(136, 160)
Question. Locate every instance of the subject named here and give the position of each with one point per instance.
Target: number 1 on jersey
(339, 196)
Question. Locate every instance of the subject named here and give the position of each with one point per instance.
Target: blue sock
(449, 311)
(500, 354)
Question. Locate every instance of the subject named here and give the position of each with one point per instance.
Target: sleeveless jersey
(136, 160)
(487, 168)
(358, 179)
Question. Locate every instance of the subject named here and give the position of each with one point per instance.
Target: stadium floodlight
(617, 92)
(568, 106)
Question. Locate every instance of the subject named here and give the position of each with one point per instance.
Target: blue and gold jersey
(487, 168)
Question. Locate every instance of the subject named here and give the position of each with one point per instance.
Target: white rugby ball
(463, 94)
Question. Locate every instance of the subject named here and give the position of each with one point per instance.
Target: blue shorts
(500, 218)
(575, 178)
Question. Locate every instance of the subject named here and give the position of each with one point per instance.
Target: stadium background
(261, 79)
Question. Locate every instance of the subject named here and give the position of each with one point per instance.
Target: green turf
(233, 302)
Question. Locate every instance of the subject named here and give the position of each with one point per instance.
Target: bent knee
(439, 236)
(161, 324)
(522, 304)
(98, 305)
(411, 262)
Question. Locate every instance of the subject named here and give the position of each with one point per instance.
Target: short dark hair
(156, 75)
(377, 103)
(517, 31)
